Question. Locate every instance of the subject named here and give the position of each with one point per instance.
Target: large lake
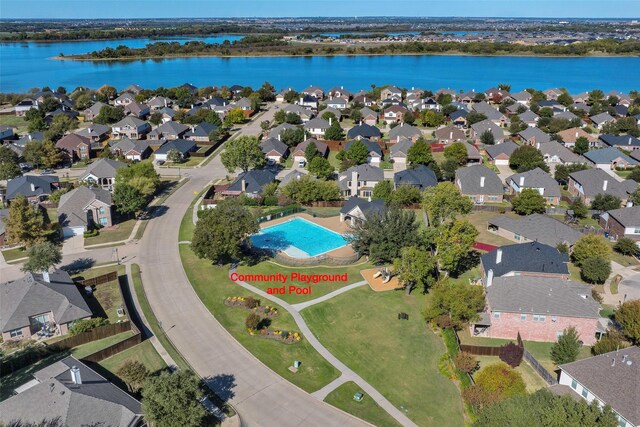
(25, 65)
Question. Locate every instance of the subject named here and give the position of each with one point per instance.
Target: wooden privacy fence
(114, 349)
(94, 334)
(98, 280)
(546, 375)
(480, 350)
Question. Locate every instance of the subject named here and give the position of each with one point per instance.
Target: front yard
(120, 231)
(10, 255)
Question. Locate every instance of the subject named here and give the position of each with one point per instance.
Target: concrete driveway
(73, 245)
(505, 172)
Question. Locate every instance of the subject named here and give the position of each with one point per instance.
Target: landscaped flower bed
(278, 335)
(253, 305)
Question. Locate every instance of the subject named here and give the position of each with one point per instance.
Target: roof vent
(613, 362)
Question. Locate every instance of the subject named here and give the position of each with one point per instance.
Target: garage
(72, 231)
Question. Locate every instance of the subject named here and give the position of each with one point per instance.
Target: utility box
(358, 396)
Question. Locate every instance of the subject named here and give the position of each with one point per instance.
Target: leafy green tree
(444, 201)
(456, 151)
(320, 167)
(567, 348)
(383, 190)
(449, 168)
(109, 115)
(9, 168)
(590, 246)
(128, 200)
(501, 380)
(292, 137)
(635, 197)
(292, 118)
(140, 175)
(33, 113)
(109, 92)
(55, 195)
(133, 373)
(42, 256)
(156, 118)
(474, 117)
(628, 316)
(280, 116)
(311, 151)
(85, 325)
(458, 301)
(526, 158)
(419, 153)
(382, 236)
(216, 238)
(306, 190)
(635, 175)
(37, 124)
(357, 153)
(581, 146)
(51, 155)
(25, 223)
(356, 115)
(580, 210)
(487, 138)
(60, 125)
(529, 201)
(565, 99)
(406, 195)
(605, 202)
(235, 116)
(626, 246)
(613, 340)
(563, 171)
(174, 156)
(243, 153)
(107, 153)
(172, 399)
(334, 132)
(415, 268)
(431, 118)
(453, 245)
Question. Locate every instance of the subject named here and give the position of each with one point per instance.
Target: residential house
(308, 101)
(357, 209)
(415, 92)
(496, 95)
(524, 259)
(6, 132)
(449, 134)
(364, 131)
(569, 136)
(137, 109)
(251, 183)
(568, 115)
(200, 133)
(459, 118)
(75, 147)
(159, 102)
(124, 99)
(363, 99)
(95, 132)
(468, 97)
(93, 111)
(523, 97)
(529, 118)
(622, 142)
(538, 180)
(635, 154)
(317, 127)
(420, 177)
(608, 379)
(473, 154)
(337, 103)
(244, 104)
(167, 114)
(491, 113)
(610, 158)
(500, 154)
(374, 156)
(84, 208)
(25, 105)
(337, 113)
(132, 150)
(479, 183)
(552, 104)
(534, 228)
(394, 114)
(276, 131)
(133, 88)
(236, 89)
(340, 92)
(169, 130)
(624, 222)
(36, 188)
(554, 152)
(292, 176)
(399, 151)
(102, 173)
(32, 136)
(404, 130)
(588, 183)
(370, 117)
(184, 147)
(534, 136)
(305, 114)
(298, 151)
(553, 93)
(192, 89)
(315, 91)
(391, 92)
(477, 129)
(537, 308)
(274, 149)
(360, 180)
(130, 127)
(70, 392)
(37, 301)
(599, 120)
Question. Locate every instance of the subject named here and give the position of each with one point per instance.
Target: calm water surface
(25, 65)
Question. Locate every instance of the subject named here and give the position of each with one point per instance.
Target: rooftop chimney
(301, 98)
(499, 256)
(354, 183)
(279, 137)
(630, 140)
(75, 375)
(521, 181)
(451, 135)
(33, 187)
(482, 181)
(489, 278)
(45, 276)
(604, 185)
(243, 185)
(576, 134)
(330, 121)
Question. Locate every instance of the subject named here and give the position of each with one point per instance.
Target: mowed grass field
(399, 358)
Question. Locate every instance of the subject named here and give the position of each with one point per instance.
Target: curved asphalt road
(262, 397)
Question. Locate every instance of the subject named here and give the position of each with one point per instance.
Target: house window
(542, 318)
(15, 333)
(516, 237)
(101, 211)
(636, 231)
(366, 193)
(585, 392)
(38, 321)
(523, 317)
(496, 314)
(622, 422)
(103, 221)
(574, 384)
(559, 334)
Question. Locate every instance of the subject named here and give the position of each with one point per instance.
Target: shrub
(626, 246)
(86, 325)
(252, 322)
(478, 398)
(590, 246)
(628, 316)
(501, 381)
(567, 348)
(91, 233)
(611, 341)
(466, 362)
(444, 321)
(511, 354)
(134, 373)
(597, 296)
(251, 302)
(595, 270)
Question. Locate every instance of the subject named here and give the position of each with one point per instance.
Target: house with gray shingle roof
(95, 132)
(91, 112)
(477, 129)
(404, 130)
(624, 222)
(538, 308)
(360, 180)
(250, 183)
(274, 149)
(490, 112)
(499, 154)
(132, 150)
(529, 118)
(200, 132)
(183, 146)
(276, 131)
(525, 259)
(480, 184)
(534, 228)
(399, 151)
(522, 97)
(534, 136)
(84, 208)
(624, 142)
(357, 209)
(102, 173)
(292, 176)
(374, 155)
(601, 119)
(610, 158)
(49, 299)
(35, 188)
(305, 114)
(608, 379)
(538, 180)
(298, 152)
(364, 131)
(588, 183)
(75, 395)
(169, 130)
(554, 152)
(369, 116)
(130, 127)
(420, 177)
(449, 133)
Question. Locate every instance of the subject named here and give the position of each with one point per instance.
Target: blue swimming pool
(298, 238)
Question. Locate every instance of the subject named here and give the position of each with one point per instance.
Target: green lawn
(19, 124)
(398, 358)
(367, 409)
(213, 286)
(531, 378)
(143, 352)
(323, 212)
(625, 261)
(186, 225)
(317, 290)
(479, 220)
(14, 254)
(106, 298)
(122, 232)
(333, 160)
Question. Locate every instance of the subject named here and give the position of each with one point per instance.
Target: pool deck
(332, 223)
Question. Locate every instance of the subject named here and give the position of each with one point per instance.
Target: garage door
(502, 162)
(72, 231)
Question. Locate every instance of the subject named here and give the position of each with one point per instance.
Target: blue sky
(294, 8)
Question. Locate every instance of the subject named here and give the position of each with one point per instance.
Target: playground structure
(381, 279)
(385, 273)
